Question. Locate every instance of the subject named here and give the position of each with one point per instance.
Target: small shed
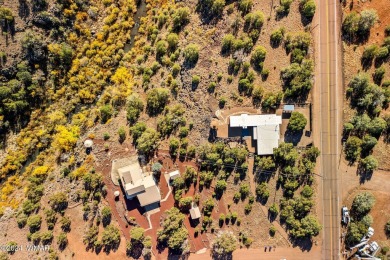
(288, 108)
(195, 213)
(173, 175)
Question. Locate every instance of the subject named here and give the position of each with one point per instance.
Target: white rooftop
(245, 120)
(174, 174)
(135, 183)
(195, 213)
(267, 137)
(265, 130)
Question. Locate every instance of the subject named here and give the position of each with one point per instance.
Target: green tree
(351, 24)
(156, 100)
(185, 204)
(91, 236)
(134, 108)
(262, 191)
(308, 8)
(137, 131)
(59, 201)
(376, 126)
(106, 215)
(368, 17)
(355, 232)
(311, 226)
(297, 122)
(353, 148)
(224, 244)
(369, 163)
(368, 143)
(148, 141)
(277, 36)
(111, 237)
(220, 186)
(173, 233)
(362, 204)
(244, 190)
(137, 234)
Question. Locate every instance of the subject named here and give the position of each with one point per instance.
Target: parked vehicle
(345, 218)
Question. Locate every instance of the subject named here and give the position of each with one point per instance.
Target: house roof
(195, 213)
(136, 183)
(267, 137)
(174, 174)
(131, 173)
(151, 195)
(265, 130)
(245, 120)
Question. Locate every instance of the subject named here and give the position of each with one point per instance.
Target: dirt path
(289, 253)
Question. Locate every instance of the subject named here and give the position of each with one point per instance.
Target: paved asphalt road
(329, 81)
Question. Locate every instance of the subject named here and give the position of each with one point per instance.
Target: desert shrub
(21, 220)
(65, 224)
(175, 70)
(297, 122)
(284, 7)
(173, 41)
(277, 36)
(362, 204)
(34, 223)
(387, 228)
(62, 240)
(51, 218)
(106, 112)
(134, 108)
(161, 48)
(122, 134)
(180, 18)
(47, 237)
(245, 6)
(258, 57)
(191, 53)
